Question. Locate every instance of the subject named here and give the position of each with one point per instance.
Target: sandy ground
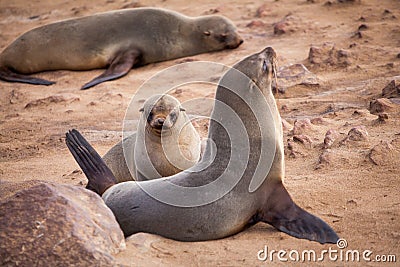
(357, 197)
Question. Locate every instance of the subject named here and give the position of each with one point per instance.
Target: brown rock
(343, 58)
(58, 98)
(280, 27)
(284, 108)
(286, 126)
(287, 24)
(385, 153)
(262, 11)
(255, 24)
(392, 90)
(362, 27)
(358, 133)
(292, 149)
(382, 117)
(304, 139)
(57, 225)
(330, 138)
(301, 126)
(327, 54)
(357, 34)
(317, 121)
(320, 54)
(324, 159)
(380, 105)
(295, 74)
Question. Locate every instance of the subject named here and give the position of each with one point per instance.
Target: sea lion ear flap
(182, 109)
(141, 109)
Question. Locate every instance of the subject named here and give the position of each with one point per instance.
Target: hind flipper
(10, 76)
(282, 213)
(99, 175)
(119, 67)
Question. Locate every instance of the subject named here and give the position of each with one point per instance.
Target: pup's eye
(172, 116)
(264, 67)
(150, 117)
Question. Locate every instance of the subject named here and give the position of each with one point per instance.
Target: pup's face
(162, 115)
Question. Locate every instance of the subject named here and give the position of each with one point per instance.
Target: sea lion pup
(116, 40)
(165, 143)
(238, 190)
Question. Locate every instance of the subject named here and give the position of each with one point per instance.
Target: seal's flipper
(10, 76)
(282, 213)
(99, 175)
(119, 67)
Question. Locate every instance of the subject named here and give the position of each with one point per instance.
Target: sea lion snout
(159, 122)
(235, 42)
(162, 118)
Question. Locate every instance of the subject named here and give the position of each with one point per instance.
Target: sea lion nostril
(160, 121)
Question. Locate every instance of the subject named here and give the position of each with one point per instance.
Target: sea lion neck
(244, 90)
(245, 116)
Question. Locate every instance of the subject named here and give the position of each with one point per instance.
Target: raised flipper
(282, 213)
(119, 67)
(99, 175)
(10, 76)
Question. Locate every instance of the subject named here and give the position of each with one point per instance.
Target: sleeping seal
(116, 40)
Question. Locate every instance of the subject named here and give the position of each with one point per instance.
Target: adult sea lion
(116, 40)
(165, 143)
(241, 186)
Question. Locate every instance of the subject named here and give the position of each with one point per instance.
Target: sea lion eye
(172, 116)
(207, 33)
(222, 37)
(265, 67)
(150, 117)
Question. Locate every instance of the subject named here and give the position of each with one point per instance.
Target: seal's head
(161, 113)
(218, 32)
(260, 67)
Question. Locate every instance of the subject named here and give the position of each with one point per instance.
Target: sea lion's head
(161, 112)
(261, 68)
(218, 33)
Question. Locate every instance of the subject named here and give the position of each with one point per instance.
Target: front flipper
(10, 76)
(99, 175)
(120, 66)
(282, 213)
